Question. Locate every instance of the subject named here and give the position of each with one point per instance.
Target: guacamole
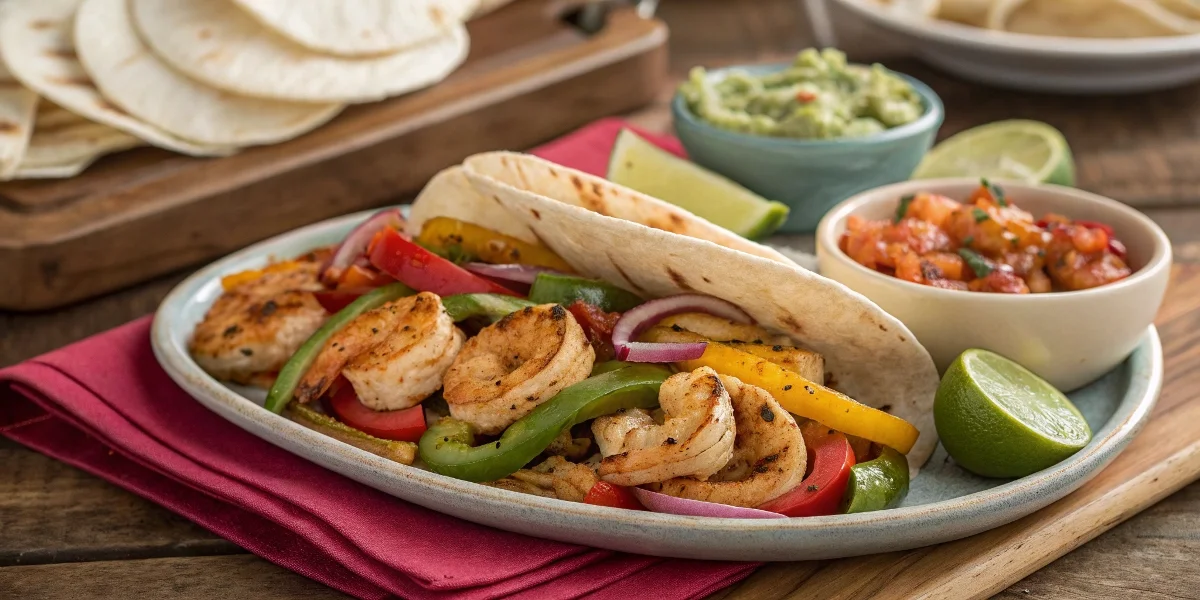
(819, 96)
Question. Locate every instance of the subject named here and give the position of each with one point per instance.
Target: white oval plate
(945, 502)
(1034, 62)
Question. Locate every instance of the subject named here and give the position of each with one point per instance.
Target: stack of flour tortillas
(83, 78)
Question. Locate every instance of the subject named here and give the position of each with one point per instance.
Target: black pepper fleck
(766, 413)
(787, 387)
(246, 352)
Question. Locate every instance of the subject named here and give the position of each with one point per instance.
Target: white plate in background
(1011, 60)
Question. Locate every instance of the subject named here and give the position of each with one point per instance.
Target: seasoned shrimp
(256, 325)
(769, 457)
(516, 364)
(556, 477)
(695, 438)
(394, 356)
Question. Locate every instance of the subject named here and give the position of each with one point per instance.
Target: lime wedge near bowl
(638, 164)
(1018, 150)
(998, 419)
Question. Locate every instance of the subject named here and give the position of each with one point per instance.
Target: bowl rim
(828, 230)
(1064, 47)
(931, 119)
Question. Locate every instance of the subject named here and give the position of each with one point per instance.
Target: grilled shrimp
(394, 356)
(556, 477)
(254, 327)
(516, 364)
(769, 457)
(695, 438)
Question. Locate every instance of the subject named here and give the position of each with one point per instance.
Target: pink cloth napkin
(105, 406)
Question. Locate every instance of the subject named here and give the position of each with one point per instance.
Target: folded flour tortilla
(359, 27)
(655, 249)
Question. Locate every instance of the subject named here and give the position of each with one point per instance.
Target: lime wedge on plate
(638, 164)
(1029, 151)
(998, 419)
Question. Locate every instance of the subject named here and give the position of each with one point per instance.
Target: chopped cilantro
(967, 241)
(902, 210)
(996, 191)
(980, 214)
(977, 263)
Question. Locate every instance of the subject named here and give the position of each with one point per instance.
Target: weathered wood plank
(194, 578)
(51, 513)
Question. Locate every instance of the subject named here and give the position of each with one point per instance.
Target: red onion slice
(637, 320)
(662, 503)
(517, 273)
(356, 242)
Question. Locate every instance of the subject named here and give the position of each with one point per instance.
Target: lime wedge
(997, 419)
(638, 164)
(1029, 151)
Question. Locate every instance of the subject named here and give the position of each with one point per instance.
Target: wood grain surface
(65, 534)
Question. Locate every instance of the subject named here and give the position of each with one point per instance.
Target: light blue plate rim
(634, 531)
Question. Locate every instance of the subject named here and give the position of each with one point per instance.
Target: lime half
(997, 419)
(638, 164)
(1029, 151)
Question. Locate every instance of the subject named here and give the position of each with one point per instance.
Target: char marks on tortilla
(217, 43)
(17, 106)
(137, 81)
(359, 27)
(36, 43)
(601, 196)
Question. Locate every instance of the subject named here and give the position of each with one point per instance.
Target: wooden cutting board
(530, 76)
(1162, 459)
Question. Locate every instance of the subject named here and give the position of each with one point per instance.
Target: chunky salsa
(985, 244)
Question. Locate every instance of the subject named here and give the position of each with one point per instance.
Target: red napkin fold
(105, 406)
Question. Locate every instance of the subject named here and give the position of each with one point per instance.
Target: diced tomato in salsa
(926, 239)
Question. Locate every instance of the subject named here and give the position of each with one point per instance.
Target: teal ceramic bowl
(810, 176)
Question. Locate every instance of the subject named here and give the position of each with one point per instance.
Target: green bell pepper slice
(448, 446)
(877, 484)
(556, 288)
(493, 307)
(294, 369)
(609, 366)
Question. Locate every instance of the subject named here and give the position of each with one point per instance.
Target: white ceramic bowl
(1069, 338)
(1032, 62)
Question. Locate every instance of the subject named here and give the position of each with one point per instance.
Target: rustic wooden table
(65, 534)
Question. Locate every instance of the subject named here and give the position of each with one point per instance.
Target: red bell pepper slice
(607, 494)
(830, 457)
(425, 271)
(405, 425)
(336, 300)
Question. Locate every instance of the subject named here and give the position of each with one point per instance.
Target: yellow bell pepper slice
(229, 282)
(798, 395)
(487, 245)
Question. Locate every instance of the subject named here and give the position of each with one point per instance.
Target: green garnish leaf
(980, 214)
(967, 241)
(903, 208)
(996, 191)
(977, 263)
